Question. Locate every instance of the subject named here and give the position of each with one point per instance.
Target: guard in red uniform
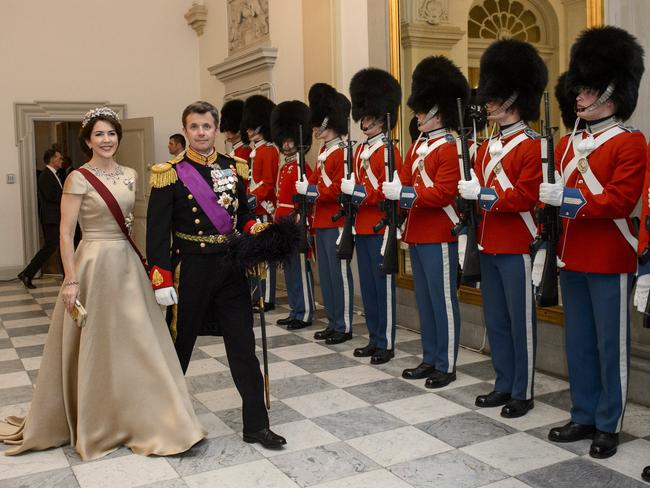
(508, 171)
(230, 127)
(330, 111)
(264, 162)
(374, 93)
(601, 175)
(286, 120)
(427, 189)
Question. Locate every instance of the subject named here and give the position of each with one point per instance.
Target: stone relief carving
(248, 23)
(433, 12)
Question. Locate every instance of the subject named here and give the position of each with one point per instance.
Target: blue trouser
(336, 281)
(597, 331)
(435, 271)
(268, 285)
(377, 292)
(300, 287)
(509, 311)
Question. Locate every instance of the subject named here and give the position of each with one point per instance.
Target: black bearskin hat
(414, 132)
(325, 101)
(602, 55)
(231, 113)
(286, 119)
(438, 81)
(375, 92)
(510, 66)
(567, 103)
(257, 113)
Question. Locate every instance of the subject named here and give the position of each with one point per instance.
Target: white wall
(141, 53)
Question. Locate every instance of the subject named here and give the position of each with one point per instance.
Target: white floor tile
(214, 350)
(31, 463)
(124, 471)
(518, 453)
(20, 308)
(637, 420)
(465, 356)
(507, 483)
(213, 425)
(630, 458)
(31, 340)
(404, 335)
(324, 403)
(9, 380)
(8, 354)
(284, 369)
(31, 364)
(18, 295)
(205, 366)
(302, 434)
(421, 408)
(255, 474)
(462, 379)
(271, 331)
(220, 399)
(300, 351)
(14, 324)
(372, 479)
(356, 375)
(542, 414)
(547, 384)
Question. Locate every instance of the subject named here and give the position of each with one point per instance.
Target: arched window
(503, 19)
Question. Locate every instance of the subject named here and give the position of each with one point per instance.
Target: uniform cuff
(160, 278)
(487, 198)
(359, 194)
(407, 197)
(572, 202)
(312, 193)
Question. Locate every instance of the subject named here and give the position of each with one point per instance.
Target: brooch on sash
(583, 165)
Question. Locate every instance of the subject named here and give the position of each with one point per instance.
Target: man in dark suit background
(50, 189)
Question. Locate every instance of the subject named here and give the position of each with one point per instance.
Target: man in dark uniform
(50, 189)
(198, 198)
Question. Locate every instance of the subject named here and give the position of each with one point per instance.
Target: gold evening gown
(116, 381)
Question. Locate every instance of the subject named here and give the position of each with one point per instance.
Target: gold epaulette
(163, 174)
(242, 167)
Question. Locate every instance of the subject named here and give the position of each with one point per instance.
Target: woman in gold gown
(116, 381)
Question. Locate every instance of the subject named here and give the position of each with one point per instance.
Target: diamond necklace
(112, 176)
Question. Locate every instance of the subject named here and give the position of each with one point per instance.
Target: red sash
(115, 209)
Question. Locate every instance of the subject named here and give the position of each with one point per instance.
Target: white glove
(347, 184)
(469, 190)
(268, 206)
(301, 186)
(392, 189)
(166, 296)
(462, 247)
(641, 292)
(538, 266)
(552, 193)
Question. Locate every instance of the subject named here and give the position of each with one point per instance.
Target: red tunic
(286, 189)
(264, 174)
(327, 179)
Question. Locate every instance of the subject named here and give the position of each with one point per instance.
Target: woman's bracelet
(70, 283)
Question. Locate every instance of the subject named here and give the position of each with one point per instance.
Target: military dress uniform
(509, 182)
(430, 177)
(241, 152)
(335, 274)
(298, 277)
(208, 283)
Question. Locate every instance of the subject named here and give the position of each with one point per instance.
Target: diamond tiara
(98, 112)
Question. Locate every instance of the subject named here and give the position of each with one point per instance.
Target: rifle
(546, 294)
(302, 211)
(471, 269)
(390, 221)
(345, 243)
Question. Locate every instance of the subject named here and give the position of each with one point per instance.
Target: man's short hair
(201, 107)
(178, 139)
(49, 154)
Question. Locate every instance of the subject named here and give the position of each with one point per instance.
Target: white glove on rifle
(641, 292)
(552, 193)
(301, 186)
(347, 184)
(166, 296)
(462, 247)
(469, 190)
(392, 189)
(538, 267)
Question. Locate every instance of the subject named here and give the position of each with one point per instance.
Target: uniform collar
(195, 157)
(375, 139)
(258, 143)
(602, 125)
(238, 144)
(333, 142)
(512, 129)
(434, 134)
(291, 159)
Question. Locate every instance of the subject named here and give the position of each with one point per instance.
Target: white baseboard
(10, 272)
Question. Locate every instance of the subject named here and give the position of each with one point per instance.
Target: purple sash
(204, 196)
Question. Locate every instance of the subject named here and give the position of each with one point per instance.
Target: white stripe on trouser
(306, 292)
(451, 332)
(622, 346)
(528, 290)
(267, 283)
(389, 311)
(346, 295)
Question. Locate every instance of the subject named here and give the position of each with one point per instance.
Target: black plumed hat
(286, 120)
(374, 93)
(325, 101)
(566, 101)
(438, 81)
(231, 113)
(604, 55)
(257, 113)
(510, 66)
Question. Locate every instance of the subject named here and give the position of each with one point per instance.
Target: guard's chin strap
(607, 94)
(506, 105)
(323, 125)
(430, 114)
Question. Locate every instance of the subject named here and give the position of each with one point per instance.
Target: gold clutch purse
(79, 314)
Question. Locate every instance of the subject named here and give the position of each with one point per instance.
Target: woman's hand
(70, 294)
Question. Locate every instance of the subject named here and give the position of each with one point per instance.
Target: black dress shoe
(381, 356)
(571, 432)
(517, 408)
(26, 280)
(604, 445)
(438, 379)
(267, 438)
(296, 324)
(338, 338)
(646, 474)
(365, 351)
(284, 321)
(494, 399)
(422, 370)
(268, 306)
(321, 335)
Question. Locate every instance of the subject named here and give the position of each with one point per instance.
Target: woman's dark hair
(87, 130)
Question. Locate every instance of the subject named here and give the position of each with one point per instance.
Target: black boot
(381, 356)
(517, 408)
(493, 399)
(604, 445)
(338, 338)
(266, 437)
(365, 351)
(422, 370)
(571, 432)
(438, 379)
(26, 280)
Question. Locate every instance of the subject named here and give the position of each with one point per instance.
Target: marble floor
(348, 424)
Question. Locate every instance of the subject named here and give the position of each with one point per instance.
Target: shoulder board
(628, 128)
(579, 131)
(450, 138)
(531, 133)
(163, 174)
(239, 165)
